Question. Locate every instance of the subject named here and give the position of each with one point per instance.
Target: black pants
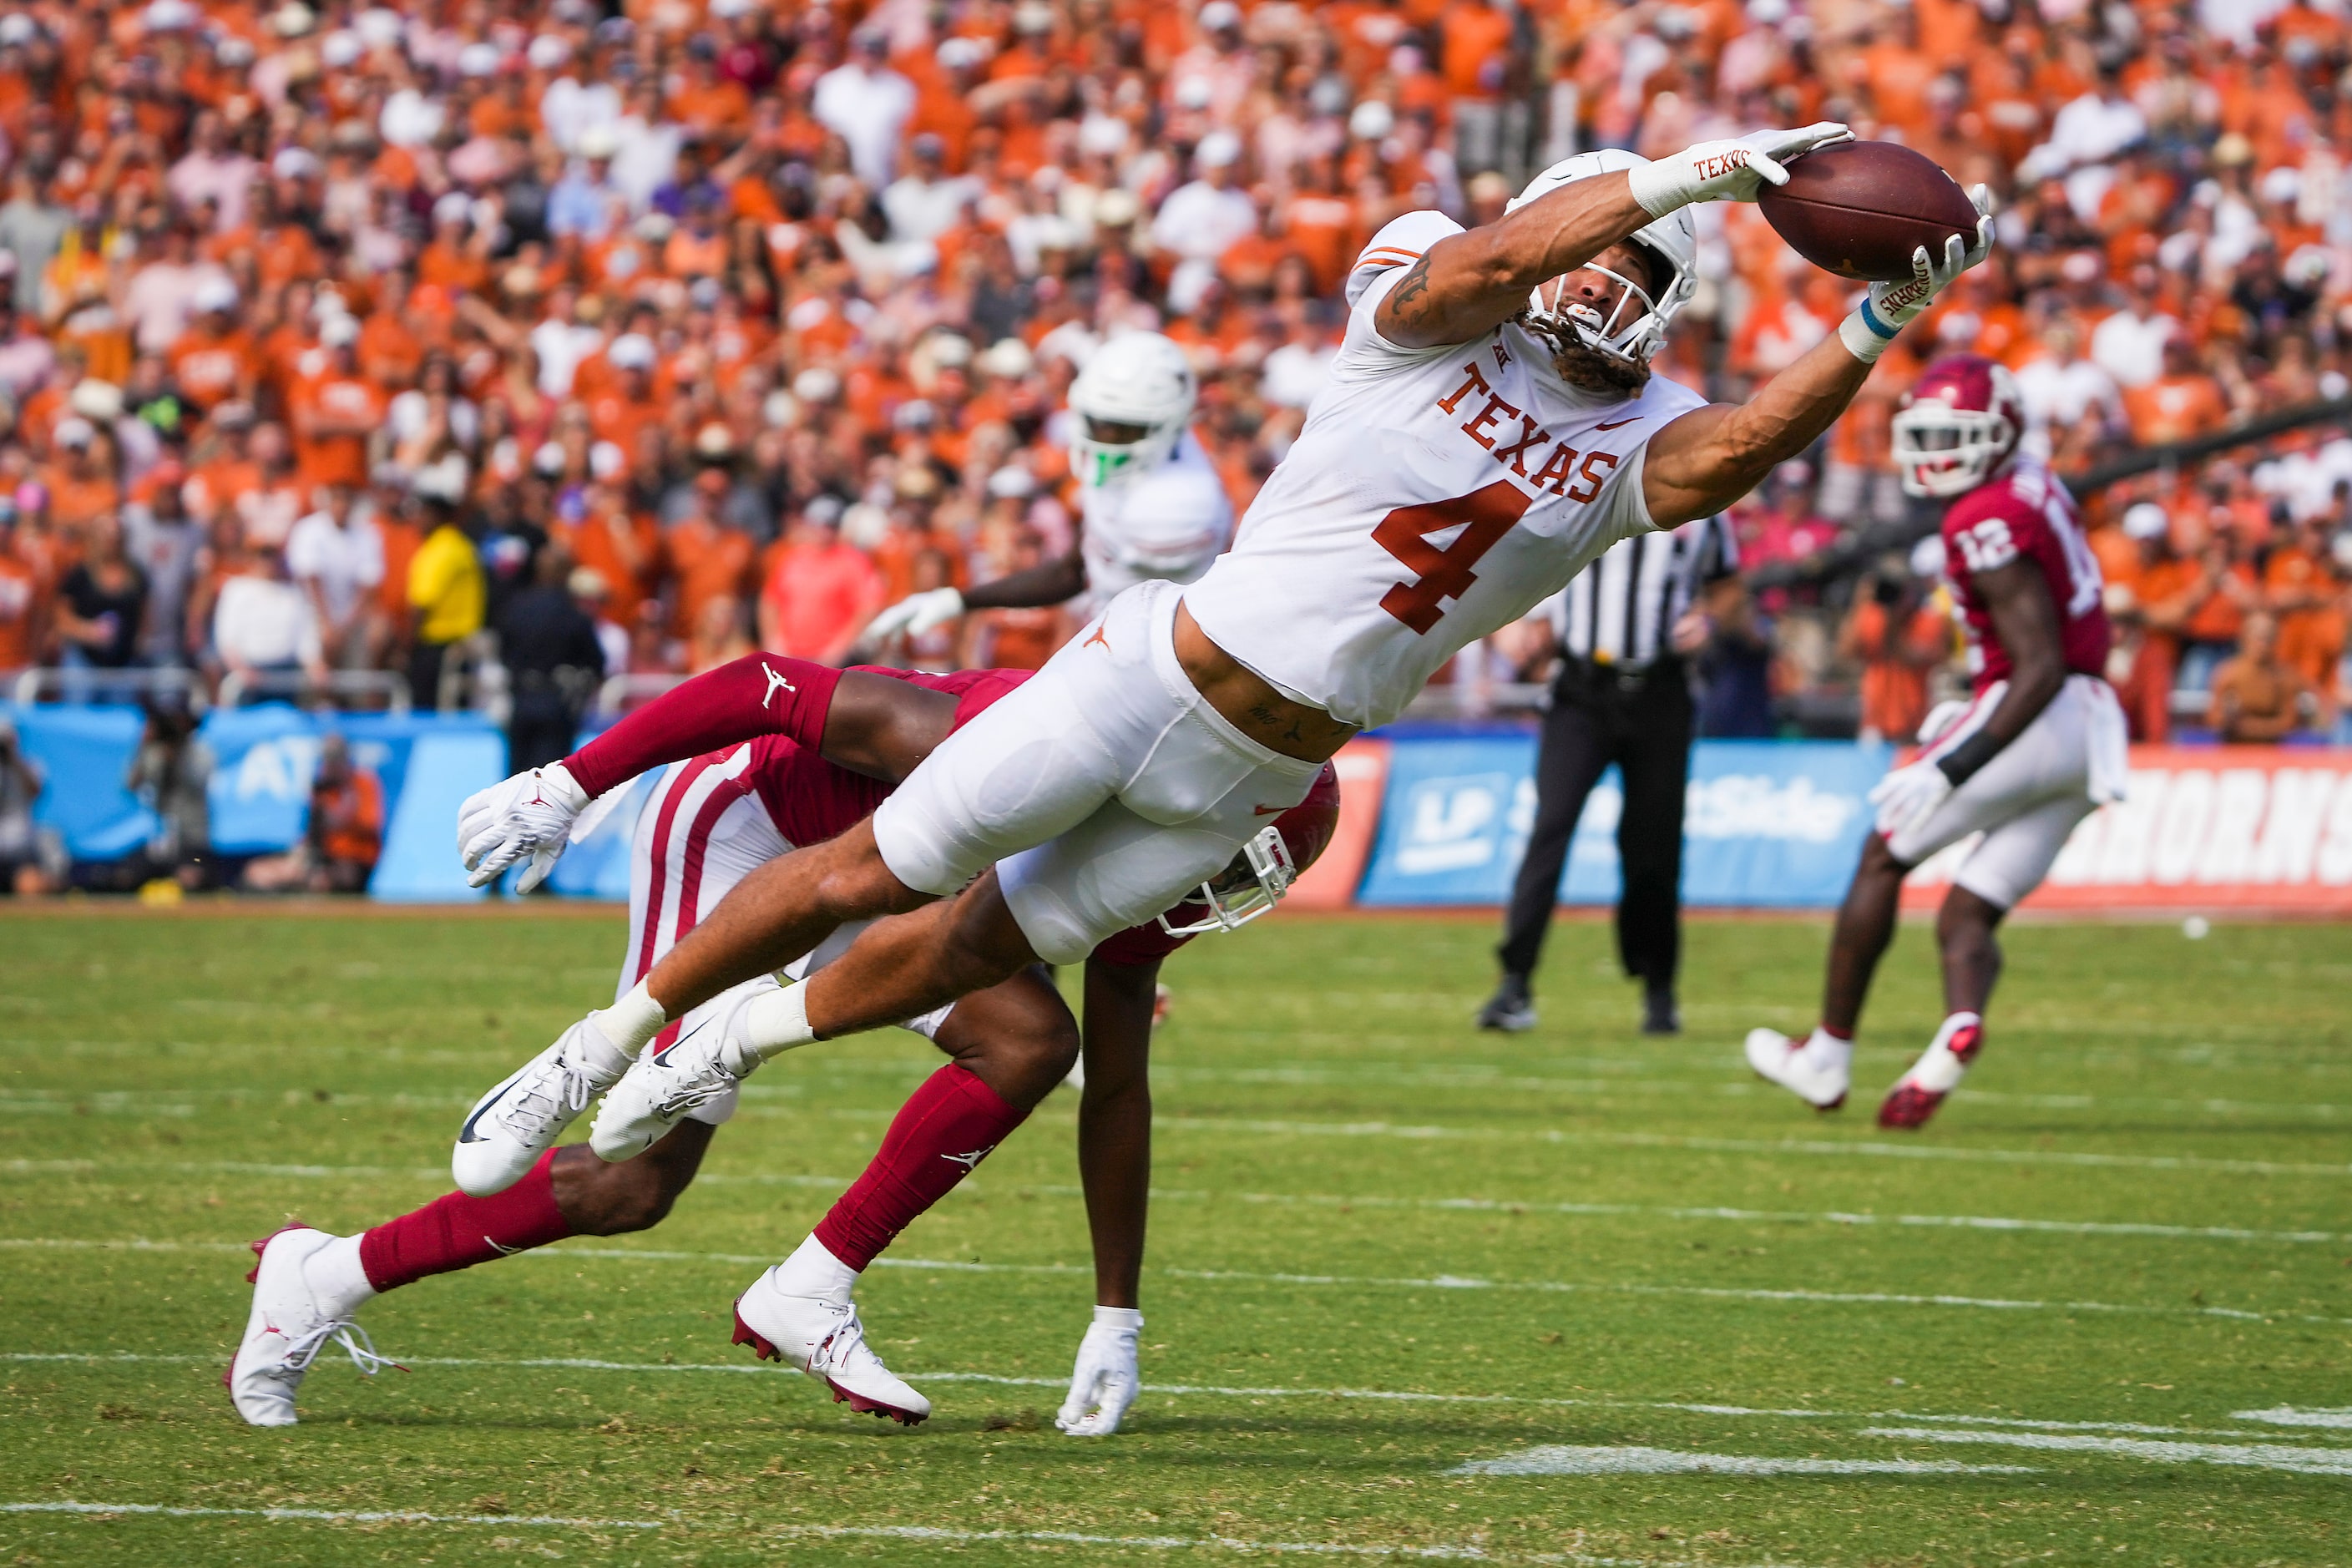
(1645, 729)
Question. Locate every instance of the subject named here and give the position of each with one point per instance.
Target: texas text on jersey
(2025, 511)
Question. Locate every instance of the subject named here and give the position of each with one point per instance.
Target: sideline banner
(2265, 827)
(83, 754)
(1766, 823)
(264, 758)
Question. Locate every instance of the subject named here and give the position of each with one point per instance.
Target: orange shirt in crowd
(350, 401)
(626, 552)
(816, 598)
(349, 819)
(20, 608)
(2174, 408)
(709, 561)
(1477, 37)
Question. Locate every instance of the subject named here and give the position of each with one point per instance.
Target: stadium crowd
(545, 341)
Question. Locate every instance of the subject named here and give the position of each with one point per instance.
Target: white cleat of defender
(823, 1338)
(1815, 1070)
(510, 1127)
(286, 1330)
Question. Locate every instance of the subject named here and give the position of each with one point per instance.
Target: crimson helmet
(1259, 876)
(1957, 426)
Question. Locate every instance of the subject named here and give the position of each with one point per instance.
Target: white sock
(1937, 1071)
(1827, 1053)
(1127, 1320)
(632, 1021)
(337, 1281)
(813, 1270)
(772, 1023)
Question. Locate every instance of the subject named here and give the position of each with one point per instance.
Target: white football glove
(1730, 171)
(912, 616)
(528, 816)
(1909, 796)
(1106, 1381)
(1888, 308)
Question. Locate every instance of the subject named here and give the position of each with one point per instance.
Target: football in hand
(1860, 209)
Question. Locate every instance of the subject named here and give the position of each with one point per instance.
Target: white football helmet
(1131, 404)
(1957, 425)
(1636, 328)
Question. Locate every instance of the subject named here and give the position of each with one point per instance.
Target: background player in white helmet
(1150, 501)
(2037, 748)
(1490, 427)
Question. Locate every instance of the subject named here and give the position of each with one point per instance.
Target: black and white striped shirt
(1621, 610)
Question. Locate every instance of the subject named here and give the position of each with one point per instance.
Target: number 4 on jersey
(1484, 516)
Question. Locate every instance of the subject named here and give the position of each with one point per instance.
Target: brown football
(1859, 208)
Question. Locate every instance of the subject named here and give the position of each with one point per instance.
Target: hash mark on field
(1571, 1461)
(1757, 1145)
(2257, 1455)
(327, 1515)
(2288, 1416)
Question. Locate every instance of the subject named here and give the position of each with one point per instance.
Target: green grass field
(2099, 1311)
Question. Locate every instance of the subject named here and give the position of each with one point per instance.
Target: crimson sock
(946, 1128)
(1845, 1035)
(458, 1232)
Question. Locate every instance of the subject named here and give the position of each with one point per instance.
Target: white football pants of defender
(703, 829)
(2067, 764)
(1104, 788)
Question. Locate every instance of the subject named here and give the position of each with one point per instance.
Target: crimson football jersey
(2025, 511)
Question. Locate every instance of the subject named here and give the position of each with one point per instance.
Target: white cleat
(1917, 1093)
(661, 1090)
(825, 1339)
(1815, 1070)
(285, 1332)
(510, 1127)
(698, 1072)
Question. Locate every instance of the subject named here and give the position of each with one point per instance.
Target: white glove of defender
(1888, 308)
(528, 816)
(1106, 1381)
(1731, 170)
(912, 616)
(1909, 796)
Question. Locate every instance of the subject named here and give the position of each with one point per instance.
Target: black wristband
(1963, 760)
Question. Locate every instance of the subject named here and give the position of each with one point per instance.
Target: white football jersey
(1435, 495)
(1170, 522)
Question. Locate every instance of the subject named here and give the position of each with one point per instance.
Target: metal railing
(83, 685)
(347, 688)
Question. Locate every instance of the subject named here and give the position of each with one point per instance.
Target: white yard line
(327, 1515)
(1234, 1391)
(2288, 1416)
(974, 1188)
(1232, 1275)
(2257, 1455)
(1754, 1145)
(1637, 1462)
(1456, 1553)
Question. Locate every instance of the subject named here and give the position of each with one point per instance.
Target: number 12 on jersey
(1484, 516)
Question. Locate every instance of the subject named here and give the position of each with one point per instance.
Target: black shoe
(1510, 1009)
(1659, 1016)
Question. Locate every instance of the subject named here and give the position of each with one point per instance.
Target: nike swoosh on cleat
(1618, 423)
(466, 1133)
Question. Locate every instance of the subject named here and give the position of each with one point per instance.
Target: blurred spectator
(342, 838)
(21, 596)
(449, 599)
(820, 590)
(336, 557)
(30, 857)
(102, 601)
(1735, 671)
(170, 773)
(2258, 697)
(263, 624)
(554, 664)
(1897, 635)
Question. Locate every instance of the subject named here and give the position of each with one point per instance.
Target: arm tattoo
(1408, 302)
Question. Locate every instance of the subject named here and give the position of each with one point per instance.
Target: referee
(1622, 629)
